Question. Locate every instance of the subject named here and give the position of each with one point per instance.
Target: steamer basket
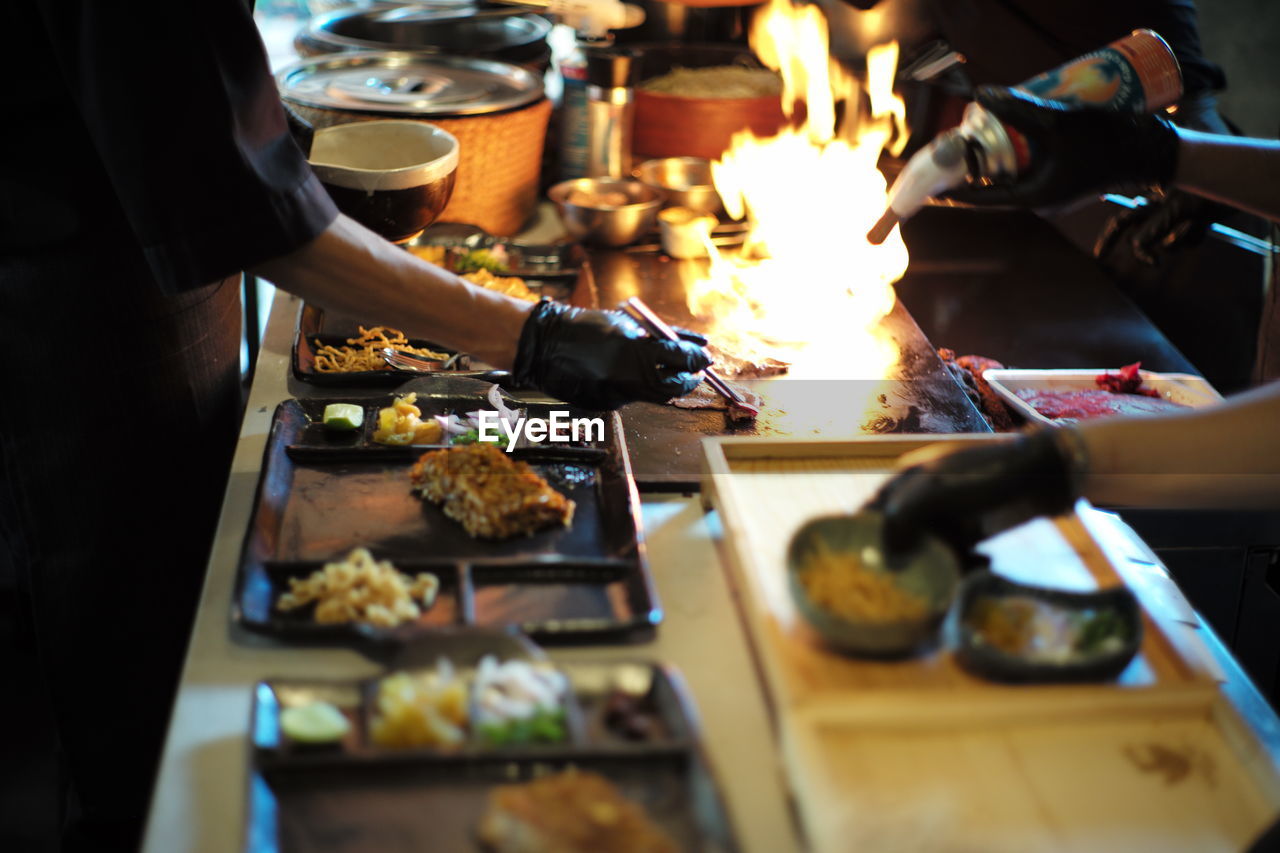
(496, 111)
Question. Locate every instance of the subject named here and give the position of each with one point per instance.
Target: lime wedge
(315, 722)
(343, 416)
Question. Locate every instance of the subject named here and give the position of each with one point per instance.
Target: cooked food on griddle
(519, 702)
(1042, 632)
(491, 495)
(361, 589)
(574, 811)
(839, 583)
(421, 709)
(731, 365)
(967, 370)
(706, 397)
(362, 352)
(401, 424)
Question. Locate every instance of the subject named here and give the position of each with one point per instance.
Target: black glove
(1146, 235)
(1075, 151)
(965, 495)
(603, 359)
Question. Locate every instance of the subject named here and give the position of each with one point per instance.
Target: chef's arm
(1079, 151)
(594, 359)
(1224, 456)
(1238, 171)
(350, 269)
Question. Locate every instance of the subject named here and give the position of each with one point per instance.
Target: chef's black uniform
(144, 161)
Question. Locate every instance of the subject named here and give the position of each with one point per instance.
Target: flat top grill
(919, 396)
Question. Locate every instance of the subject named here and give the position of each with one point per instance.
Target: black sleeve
(183, 113)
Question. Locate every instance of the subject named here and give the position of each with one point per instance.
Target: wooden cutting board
(921, 755)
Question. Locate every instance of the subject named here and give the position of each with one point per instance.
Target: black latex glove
(603, 359)
(1146, 235)
(965, 495)
(1075, 151)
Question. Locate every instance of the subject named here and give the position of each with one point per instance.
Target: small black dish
(983, 659)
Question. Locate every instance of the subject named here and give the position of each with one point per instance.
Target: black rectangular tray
(355, 796)
(319, 496)
(316, 329)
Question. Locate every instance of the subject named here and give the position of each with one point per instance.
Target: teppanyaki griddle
(919, 396)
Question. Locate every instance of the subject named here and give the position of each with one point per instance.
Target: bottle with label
(1137, 73)
(573, 116)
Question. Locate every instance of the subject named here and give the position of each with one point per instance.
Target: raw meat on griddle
(730, 365)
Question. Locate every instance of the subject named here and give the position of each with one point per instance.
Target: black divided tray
(357, 796)
(316, 329)
(321, 494)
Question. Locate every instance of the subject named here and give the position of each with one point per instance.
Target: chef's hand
(964, 495)
(1075, 151)
(603, 359)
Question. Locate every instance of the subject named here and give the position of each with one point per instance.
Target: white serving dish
(1184, 388)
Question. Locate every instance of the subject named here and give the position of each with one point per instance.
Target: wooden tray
(920, 754)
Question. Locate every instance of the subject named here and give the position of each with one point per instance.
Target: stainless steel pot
(496, 111)
(440, 30)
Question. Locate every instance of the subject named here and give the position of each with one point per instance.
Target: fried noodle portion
(362, 352)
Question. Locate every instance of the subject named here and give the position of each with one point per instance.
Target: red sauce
(1095, 403)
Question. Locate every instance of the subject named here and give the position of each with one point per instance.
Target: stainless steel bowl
(606, 211)
(684, 181)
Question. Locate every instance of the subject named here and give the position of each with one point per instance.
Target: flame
(807, 288)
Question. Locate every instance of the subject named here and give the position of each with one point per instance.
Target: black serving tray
(316, 329)
(553, 265)
(356, 796)
(992, 663)
(321, 494)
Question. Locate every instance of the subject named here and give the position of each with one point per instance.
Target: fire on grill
(807, 291)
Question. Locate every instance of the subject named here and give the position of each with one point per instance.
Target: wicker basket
(499, 160)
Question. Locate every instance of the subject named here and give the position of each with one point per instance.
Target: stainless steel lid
(449, 31)
(405, 83)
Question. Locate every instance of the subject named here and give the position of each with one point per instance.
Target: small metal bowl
(931, 572)
(684, 182)
(591, 215)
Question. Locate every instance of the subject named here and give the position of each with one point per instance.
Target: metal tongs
(739, 408)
